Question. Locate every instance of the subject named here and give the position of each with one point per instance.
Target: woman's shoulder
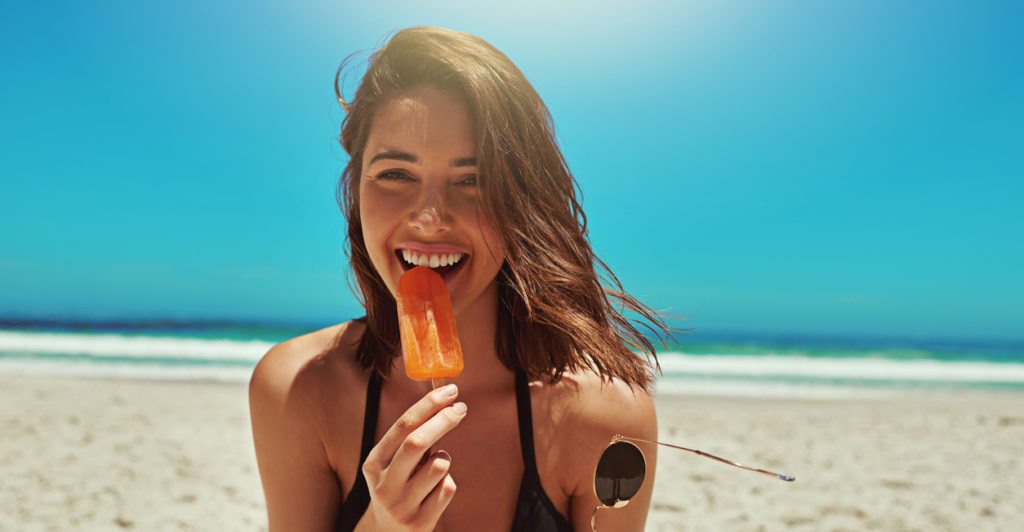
(311, 364)
(590, 401)
(584, 411)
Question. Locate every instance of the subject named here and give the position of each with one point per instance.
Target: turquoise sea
(700, 363)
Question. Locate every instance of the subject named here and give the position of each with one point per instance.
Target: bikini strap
(358, 498)
(525, 425)
(370, 416)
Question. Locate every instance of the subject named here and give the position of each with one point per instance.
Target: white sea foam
(126, 371)
(741, 388)
(177, 358)
(879, 369)
(131, 346)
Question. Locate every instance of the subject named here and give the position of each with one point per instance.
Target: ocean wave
(866, 368)
(115, 345)
(85, 369)
(743, 373)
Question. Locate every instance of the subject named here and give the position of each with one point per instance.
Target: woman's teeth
(431, 260)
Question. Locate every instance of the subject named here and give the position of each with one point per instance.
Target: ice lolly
(430, 341)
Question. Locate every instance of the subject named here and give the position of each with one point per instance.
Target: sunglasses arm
(787, 478)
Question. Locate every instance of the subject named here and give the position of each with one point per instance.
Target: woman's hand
(408, 492)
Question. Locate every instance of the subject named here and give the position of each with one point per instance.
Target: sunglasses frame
(619, 502)
(619, 438)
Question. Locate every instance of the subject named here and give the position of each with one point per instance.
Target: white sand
(919, 462)
(78, 454)
(112, 455)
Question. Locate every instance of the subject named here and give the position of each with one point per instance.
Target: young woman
(454, 164)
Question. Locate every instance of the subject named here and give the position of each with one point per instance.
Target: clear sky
(824, 167)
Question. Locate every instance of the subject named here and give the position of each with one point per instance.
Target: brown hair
(555, 313)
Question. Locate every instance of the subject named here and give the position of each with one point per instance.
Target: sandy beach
(84, 454)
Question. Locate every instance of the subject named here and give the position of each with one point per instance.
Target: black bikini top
(534, 510)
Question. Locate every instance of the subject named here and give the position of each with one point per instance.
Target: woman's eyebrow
(410, 158)
(465, 161)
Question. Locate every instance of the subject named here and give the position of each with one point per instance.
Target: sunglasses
(620, 472)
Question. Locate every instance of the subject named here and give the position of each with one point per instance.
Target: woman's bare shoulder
(312, 364)
(592, 409)
(601, 404)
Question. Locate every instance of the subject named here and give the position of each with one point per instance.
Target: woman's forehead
(428, 122)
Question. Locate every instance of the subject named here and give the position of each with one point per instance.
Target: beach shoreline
(125, 454)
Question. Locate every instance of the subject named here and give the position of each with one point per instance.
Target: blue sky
(825, 167)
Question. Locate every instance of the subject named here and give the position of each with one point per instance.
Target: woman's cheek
(374, 234)
(494, 244)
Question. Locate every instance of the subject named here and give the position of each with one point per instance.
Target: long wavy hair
(556, 314)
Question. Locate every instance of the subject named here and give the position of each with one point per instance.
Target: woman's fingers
(419, 441)
(437, 500)
(427, 476)
(382, 453)
(406, 489)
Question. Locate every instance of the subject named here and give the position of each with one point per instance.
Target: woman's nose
(430, 215)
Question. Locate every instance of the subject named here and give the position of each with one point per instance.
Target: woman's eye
(469, 181)
(393, 175)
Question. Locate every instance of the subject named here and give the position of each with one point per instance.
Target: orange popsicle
(430, 341)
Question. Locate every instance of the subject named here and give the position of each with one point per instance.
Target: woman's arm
(615, 409)
(301, 489)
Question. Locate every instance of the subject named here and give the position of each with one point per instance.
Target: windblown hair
(555, 313)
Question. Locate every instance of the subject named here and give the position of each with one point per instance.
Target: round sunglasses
(620, 472)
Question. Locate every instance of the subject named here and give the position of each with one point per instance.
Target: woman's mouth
(446, 264)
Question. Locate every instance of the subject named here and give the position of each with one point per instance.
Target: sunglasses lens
(620, 473)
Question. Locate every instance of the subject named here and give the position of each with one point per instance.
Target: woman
(454, 164)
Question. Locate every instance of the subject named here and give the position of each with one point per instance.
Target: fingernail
(446, 455)
(459, 408)
(450, 390)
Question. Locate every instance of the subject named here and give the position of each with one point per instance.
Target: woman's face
(419, 198)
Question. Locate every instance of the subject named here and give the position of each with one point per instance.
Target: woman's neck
(478, 329)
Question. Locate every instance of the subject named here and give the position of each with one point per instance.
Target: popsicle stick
(437, 382)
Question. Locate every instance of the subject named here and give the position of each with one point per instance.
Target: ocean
(810, 366)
